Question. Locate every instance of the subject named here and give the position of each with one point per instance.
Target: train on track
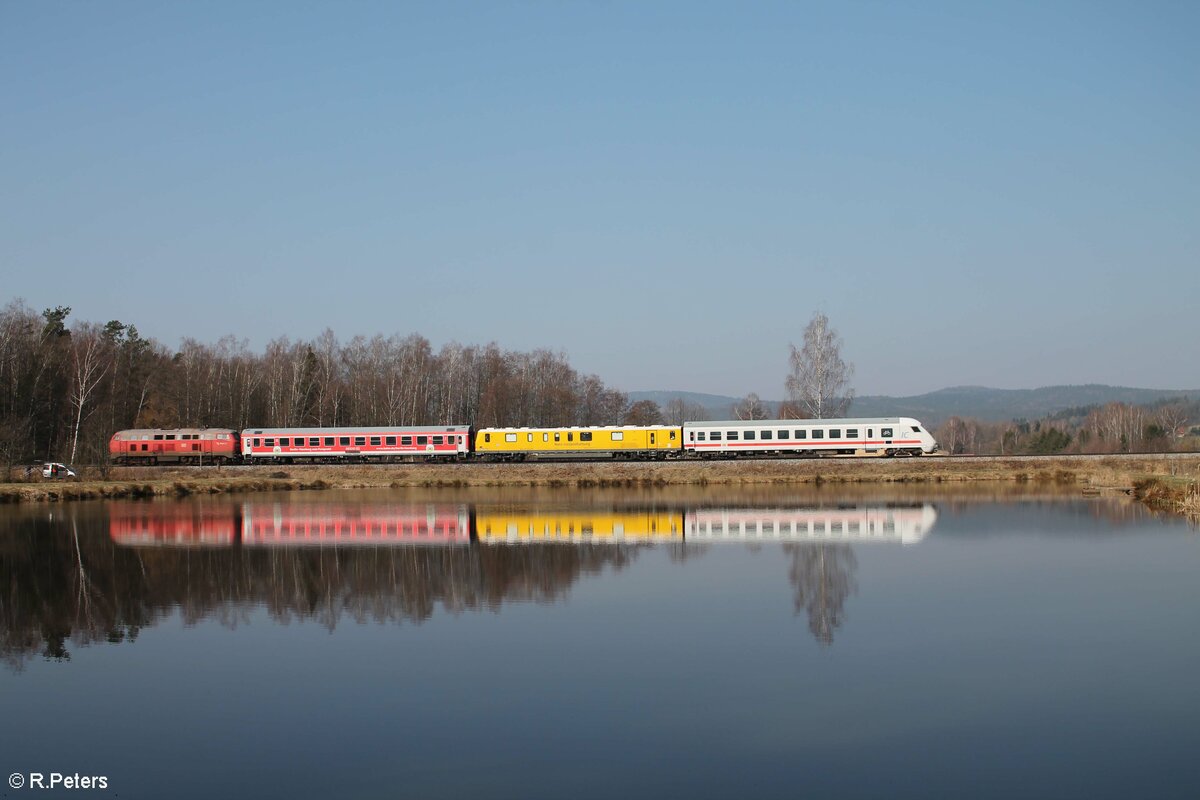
(882, 436)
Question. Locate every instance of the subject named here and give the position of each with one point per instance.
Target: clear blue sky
(1004, 194)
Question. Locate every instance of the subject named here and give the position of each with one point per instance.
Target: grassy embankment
(1169, 484)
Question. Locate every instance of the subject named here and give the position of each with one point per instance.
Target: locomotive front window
(390, 441)
(359, 441)
(916, 429)
(344, 441)
(376, 441)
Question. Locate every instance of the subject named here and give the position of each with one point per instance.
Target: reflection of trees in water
(823, 577)
(60, 588)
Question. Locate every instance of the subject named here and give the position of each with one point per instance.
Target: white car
(53, 469)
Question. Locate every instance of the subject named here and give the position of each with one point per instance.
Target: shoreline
(1168, 484)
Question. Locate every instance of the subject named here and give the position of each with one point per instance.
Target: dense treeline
(65, 388)
(1111, 428)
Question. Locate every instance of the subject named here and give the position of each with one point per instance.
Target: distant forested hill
(979, 402)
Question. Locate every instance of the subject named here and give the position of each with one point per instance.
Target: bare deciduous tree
(819, 382)
(89, 364)
(751, 407)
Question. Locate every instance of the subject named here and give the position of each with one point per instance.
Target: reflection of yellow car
(627, 441)
(525, 525)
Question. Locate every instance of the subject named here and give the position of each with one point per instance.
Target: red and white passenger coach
(391, 443)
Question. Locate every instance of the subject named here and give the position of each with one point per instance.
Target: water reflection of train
(282, 523)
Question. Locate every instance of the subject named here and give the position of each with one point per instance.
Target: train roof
(733, 423)
(585, 428)
(176, 430)
(364, 429)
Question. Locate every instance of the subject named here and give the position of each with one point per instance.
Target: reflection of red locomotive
(355, 524)
(175, 524)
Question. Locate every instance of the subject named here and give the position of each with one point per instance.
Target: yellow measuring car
(625, 441)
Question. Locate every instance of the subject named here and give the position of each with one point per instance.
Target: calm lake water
(565, 645)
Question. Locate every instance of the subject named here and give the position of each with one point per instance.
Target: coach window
(145, 447)
(618, 436)
(782, 434)
(359, 441)
(731, 436)
(344, 441)
(285, 442)
(314, 441)
(390, 441)
(885, 433)
(768, 435)
(257, 442)
(749, 435)
(801, 434)
(422, 440)
(510, 437)
(269, 442)
(714, 436)
(406, 441)
(329, 441)
(545, 437)
(376, 441)
(170, 437)
(570, 437)
(870, 433)
(699, 437)
(852, 433)
(158, 437)
(529, 437)
(818, 434)
(437, 440)
(585, 436)
(835, 433)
